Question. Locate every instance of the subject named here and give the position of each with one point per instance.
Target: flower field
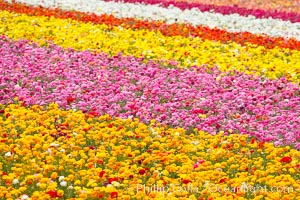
(149, 99)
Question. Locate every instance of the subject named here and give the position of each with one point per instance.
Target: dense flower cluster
(231, 23)
(149, 100)
(186, 30)
(50, 153)
(206, 99)
(188, 51)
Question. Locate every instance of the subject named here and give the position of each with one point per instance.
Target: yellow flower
(42, 185)
(77, 182)
(60, 193)
(236, 146)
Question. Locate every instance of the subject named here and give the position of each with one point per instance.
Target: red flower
(92, 147)
(223, 180)
(286, 159)
(142, 171)
(186, 181)
(114, 194)
(101, 195)
(70, 100)
(1, 111)
(130, 176)
(197, 111)
(94, 113)
(101, 174)
(252, 141)
(149, 151)
(110, 180)
(261, 144)
(52, 193)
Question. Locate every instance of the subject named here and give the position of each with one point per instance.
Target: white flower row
(231, 23)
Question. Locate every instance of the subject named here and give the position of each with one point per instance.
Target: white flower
(63, 150)
(158, 172)
(24, 197)
(61, 178)
(115, 184)
(17, 86)
(153, 131)
(63, 184)
(15, 182)
(7, 154)
(49, 151)
(70, 187)
(54, 145)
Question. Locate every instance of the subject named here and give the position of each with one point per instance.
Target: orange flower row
(166, 29)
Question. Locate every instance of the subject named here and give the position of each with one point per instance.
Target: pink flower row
(225, 10)
(125, 87)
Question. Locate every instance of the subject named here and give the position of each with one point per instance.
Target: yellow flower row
(272, 63)
(48, 153)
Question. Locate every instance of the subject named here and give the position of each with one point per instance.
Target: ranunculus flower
(142, 171)
(286, 159)
(52, 193)
(114, 194)
(186, 181)
(63, 183)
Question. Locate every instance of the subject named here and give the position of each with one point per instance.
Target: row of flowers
(51, 153)
(225, 9)
(187, 51)
(230, 23)
(185, 30)
(274, 5)
(203, 98)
